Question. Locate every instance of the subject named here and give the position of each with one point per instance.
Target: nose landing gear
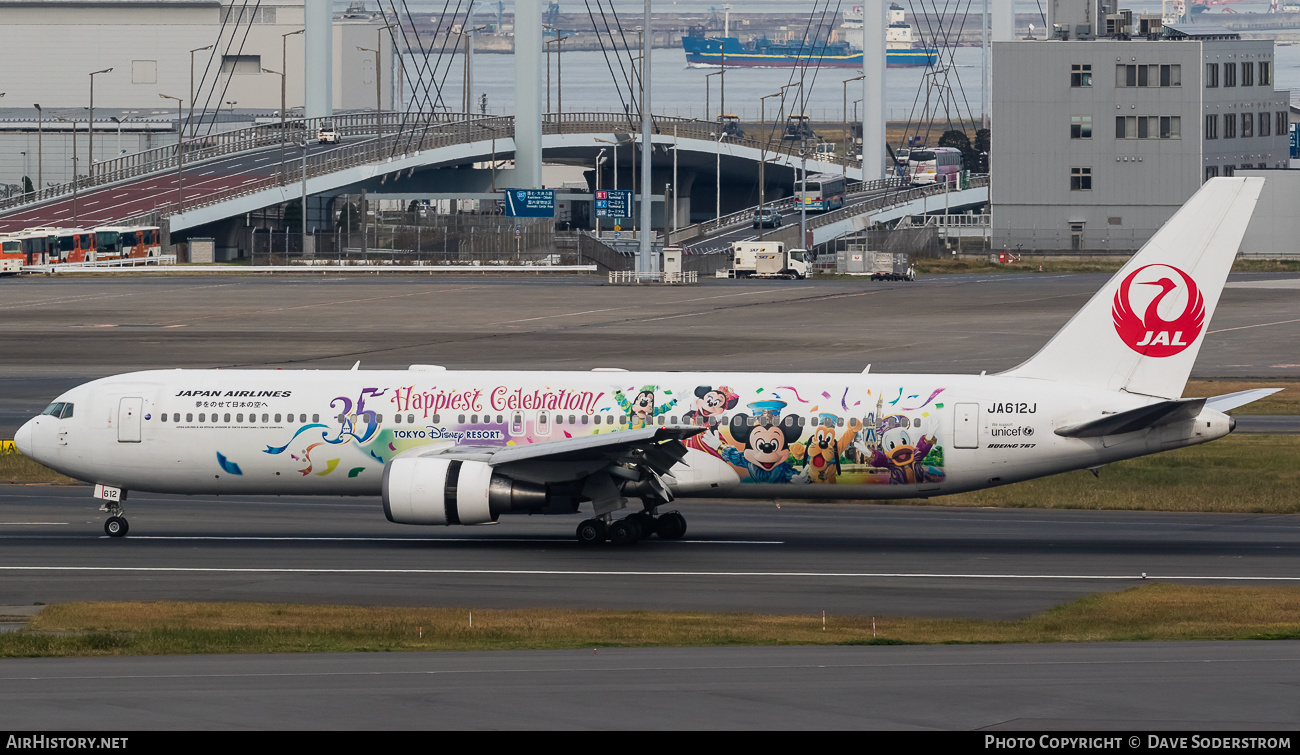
(116, 524)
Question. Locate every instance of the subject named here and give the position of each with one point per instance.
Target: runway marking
(9, 524)
(411, 539)
(630, 573)
(1248, 327)
(548, 317)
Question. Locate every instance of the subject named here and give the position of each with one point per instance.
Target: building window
(1171, 127)
(1171, 76)
(1211, 171)
(1247, 125)
(1211, 75)
(1229, 125)
(1230, 74)
(1122, 130)
(1081, 75)
(1212, 126)
(1247, 74)
(1126, 76)
(1265, 73)
(1228, 171)
(1264, 123)
(1076, 236)
(1080, 179)
(241, 64)
(1081, 127)
(1280, 123)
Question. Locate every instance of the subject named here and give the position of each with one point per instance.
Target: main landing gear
(633, 528)
(116, 524)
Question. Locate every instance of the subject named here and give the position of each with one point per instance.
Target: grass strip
(1149, 612)
(1285, 402)
(20, 469)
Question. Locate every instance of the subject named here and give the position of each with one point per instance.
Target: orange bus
(12, 258)
(74, 245)
(122, 242)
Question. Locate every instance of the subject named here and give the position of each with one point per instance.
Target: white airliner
(442, 447)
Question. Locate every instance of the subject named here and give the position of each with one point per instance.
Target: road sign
(519, 231)
(530, 203)
(616, 203)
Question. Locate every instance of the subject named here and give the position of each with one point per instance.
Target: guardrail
(632, 276)
(892, 199)
(70, 267)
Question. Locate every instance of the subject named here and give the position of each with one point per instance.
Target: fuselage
(851, 436)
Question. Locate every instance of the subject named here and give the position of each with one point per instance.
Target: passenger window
(239, 417)
(500, 419)
(437, 419)
(916, 422)
(410, 418)
(201, 418)
(543, 422)
(661, 419)
(573, 420)
(163, 417)
(460, 419)
(839, 422)
(559, 419)
(585, 420)
(622, 419)
(397, 419)
(227, 417)
(314, 418)
(190, 418)
(473, 419)
(265, 419)
(277, 419)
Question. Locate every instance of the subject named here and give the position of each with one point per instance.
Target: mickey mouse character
(641, 409)
(710, 403)
(766, 440)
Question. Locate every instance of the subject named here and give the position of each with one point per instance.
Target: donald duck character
(764, 441)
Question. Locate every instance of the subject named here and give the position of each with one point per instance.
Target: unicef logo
(1028, 431)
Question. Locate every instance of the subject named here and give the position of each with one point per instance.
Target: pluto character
(898, 454)
(765, 439)
(641, 410)
(821, 454)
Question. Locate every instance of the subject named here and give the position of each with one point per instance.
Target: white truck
(890, 266)
(767, 259)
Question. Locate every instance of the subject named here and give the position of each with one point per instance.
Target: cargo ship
(900, 50)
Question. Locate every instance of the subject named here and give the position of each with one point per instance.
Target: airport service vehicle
(730, 127)
(890, 266)
(934, 165)
(12, 258)
(767, 218)
(821, 192)
(438, 447)
(767, 259)
(327, 135)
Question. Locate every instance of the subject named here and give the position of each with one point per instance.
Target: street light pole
(282, 124)
(180, 154)
(40, 158)
(600, 158)
(284, 85)
(90, 132)
(74, 165)
(847, 137)
(191, 123)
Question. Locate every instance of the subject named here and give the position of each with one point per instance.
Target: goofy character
(710, 403)
(766, 441)
(898, 454)
(641, 410)
(821, 455)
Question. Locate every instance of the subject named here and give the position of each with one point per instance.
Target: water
(681, 91)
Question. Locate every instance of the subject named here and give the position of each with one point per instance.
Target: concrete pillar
(319, 58)
(874, 112)
(1004, 20)
(528, 95)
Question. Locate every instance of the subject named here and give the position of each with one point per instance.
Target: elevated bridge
(209, 179)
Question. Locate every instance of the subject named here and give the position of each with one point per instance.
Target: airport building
(51, 47)
(1100, 132)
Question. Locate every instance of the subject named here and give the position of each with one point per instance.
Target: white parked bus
(934, 165)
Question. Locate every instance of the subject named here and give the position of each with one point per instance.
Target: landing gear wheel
(116, 526)
(624, 532)
(670, 526)
(591, 532)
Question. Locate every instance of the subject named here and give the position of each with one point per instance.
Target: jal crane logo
(1172, 311)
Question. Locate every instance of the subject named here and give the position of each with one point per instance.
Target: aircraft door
(128, 419)
(966, 426)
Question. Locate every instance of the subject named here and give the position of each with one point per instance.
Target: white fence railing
(127, 262)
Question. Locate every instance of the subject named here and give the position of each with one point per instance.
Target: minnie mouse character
(710, 403)
(766, 440)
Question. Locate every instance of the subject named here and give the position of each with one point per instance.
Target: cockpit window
(67, 412)
(53, 410)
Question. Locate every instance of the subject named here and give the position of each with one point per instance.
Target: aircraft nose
(23, 438)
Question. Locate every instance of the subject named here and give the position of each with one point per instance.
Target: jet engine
(423, 490)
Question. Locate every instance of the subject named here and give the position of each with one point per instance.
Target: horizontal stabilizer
(1229, 401)
(1143, 417)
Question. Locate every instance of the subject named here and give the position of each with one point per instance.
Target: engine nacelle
(422, 490)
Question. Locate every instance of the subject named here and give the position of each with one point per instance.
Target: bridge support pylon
(873, 90)
(528, 95)
(318, 63)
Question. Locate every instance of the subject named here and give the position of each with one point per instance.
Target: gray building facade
(1097, 141)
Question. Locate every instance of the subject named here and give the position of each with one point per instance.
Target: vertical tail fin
(1142, 331)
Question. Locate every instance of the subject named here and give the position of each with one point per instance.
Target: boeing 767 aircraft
(464, 447)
